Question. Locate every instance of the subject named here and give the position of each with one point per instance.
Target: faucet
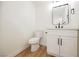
(58, 25)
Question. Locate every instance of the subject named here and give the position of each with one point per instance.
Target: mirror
(61, 14)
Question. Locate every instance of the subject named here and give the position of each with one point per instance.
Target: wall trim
(17, 52)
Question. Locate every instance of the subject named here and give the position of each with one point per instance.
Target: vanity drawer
(71, 33)
(53, 32)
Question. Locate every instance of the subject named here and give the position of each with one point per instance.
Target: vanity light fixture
(72, 11)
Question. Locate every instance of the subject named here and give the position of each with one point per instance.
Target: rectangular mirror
(61, 14)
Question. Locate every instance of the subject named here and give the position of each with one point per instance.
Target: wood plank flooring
(41, 52)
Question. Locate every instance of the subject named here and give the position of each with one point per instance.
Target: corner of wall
(17, 51)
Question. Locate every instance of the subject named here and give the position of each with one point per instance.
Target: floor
(41, 52)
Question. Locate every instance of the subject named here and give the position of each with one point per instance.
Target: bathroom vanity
(63, 42)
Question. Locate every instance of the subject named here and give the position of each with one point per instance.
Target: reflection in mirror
(61, 14)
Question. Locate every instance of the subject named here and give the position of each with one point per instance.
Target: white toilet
(34, 42)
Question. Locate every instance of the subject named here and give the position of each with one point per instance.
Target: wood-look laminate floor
(41, 52)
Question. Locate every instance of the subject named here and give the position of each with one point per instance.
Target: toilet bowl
(35, 41)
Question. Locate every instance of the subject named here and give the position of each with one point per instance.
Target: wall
(76, 15)
(44, 17)
(18, 22)
(1, 53)
(74, 18)
(19, 19)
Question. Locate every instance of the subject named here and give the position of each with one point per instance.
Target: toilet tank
(38, 34)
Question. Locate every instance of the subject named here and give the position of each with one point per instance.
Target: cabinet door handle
(61, 41)
(58, 41)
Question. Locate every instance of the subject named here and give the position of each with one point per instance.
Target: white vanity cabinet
(62, 43)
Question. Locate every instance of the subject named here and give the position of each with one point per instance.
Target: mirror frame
(68, 16)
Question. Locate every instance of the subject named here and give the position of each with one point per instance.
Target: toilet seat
(34, 40)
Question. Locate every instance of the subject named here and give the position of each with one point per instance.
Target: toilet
(34, 41)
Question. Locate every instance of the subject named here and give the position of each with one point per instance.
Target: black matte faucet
(58, 25)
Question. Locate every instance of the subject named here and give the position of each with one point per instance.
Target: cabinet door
(52, 45)
(68, 47)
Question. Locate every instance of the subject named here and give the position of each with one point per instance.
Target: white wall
(1, 53)
(19, 19)
(74, 19)
(18, 22)
(44, 17)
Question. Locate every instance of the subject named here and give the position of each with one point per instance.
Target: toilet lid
(35, 39)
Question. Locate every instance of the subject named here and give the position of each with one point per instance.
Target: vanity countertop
(63, 29)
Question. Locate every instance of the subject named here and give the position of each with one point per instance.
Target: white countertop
(63, 29)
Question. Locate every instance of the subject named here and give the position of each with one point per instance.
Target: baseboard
(17, 52)
(42, 44)
(52, 54)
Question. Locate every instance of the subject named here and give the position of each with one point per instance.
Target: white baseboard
(17, 52)
(43, 44)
